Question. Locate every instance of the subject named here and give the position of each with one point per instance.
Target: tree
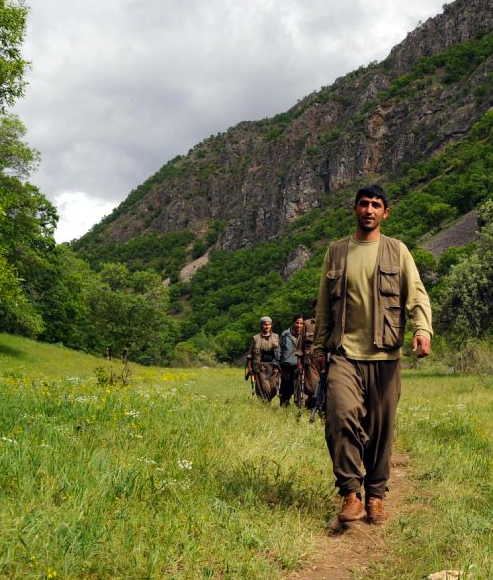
(126, 308)
(440, 212)
(12, 66)
(16, 312)
(27, 225)
(465, 297)
(17, 159)
(425, 262)
(63, 287)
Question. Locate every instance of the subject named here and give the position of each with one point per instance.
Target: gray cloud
(118, 88)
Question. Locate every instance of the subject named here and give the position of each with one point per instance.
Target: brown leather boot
(374, 510)
(352, 508)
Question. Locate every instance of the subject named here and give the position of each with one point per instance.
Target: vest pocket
(389, 279)
(393, 327)
(334, 278)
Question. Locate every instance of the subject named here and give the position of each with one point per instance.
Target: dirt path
(355, 548)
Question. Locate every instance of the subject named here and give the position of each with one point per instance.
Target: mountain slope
(264, 198)
(258, 177)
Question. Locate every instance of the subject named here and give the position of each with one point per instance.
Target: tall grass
(179, 475)
(182, 475)
(445, 422)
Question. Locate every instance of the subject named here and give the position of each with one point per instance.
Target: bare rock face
(460, 21)
(189, 270)
(260, 176)
(459, 234)
(296, 260)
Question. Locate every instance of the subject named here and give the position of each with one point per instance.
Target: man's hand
(320, 362)
(421, 345)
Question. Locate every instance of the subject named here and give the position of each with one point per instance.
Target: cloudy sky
(119, 87)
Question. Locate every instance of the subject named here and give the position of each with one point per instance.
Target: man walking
(263, 360)
(288, 360)
(306, 363)
(369, 283)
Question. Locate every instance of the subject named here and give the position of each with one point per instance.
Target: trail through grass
(182, 475)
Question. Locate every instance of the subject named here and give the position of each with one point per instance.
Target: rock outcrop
(296, 260)
(259, 177)
(459, 234)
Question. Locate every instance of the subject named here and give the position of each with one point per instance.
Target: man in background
(263, 360)
(306, 363)
(288, 360)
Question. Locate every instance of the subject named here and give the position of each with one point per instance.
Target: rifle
(319, 396)
(250, 375)
(299, 387)
(320, 392)
(279, 379)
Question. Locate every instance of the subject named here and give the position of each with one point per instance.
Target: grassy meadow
(445, 423)
(180, 474)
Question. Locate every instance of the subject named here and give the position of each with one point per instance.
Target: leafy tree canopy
(12, 66)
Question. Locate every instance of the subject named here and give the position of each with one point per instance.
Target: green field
(180, 474)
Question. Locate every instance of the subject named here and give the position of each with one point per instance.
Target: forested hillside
(263, 200)
(419, 123)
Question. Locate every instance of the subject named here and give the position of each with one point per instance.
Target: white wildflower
(170, 482)
(75, 380)
(145, 460)
(184, 464)
(87, 399)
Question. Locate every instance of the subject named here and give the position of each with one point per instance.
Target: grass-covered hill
(181, 474)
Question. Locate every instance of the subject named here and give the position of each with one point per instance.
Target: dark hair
(372, 191)
(296, 316)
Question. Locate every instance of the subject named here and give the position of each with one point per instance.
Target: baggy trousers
(312, 377)
(288, 376)
(361, 404)
(266, 382)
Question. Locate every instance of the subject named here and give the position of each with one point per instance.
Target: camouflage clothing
(264, 354)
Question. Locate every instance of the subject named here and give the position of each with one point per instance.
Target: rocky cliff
(258, 177)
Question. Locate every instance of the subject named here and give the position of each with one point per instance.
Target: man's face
(298, 325)
(370, 211)
(266, 326)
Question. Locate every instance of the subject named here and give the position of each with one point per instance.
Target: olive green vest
(388, 295)
(256, 348)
